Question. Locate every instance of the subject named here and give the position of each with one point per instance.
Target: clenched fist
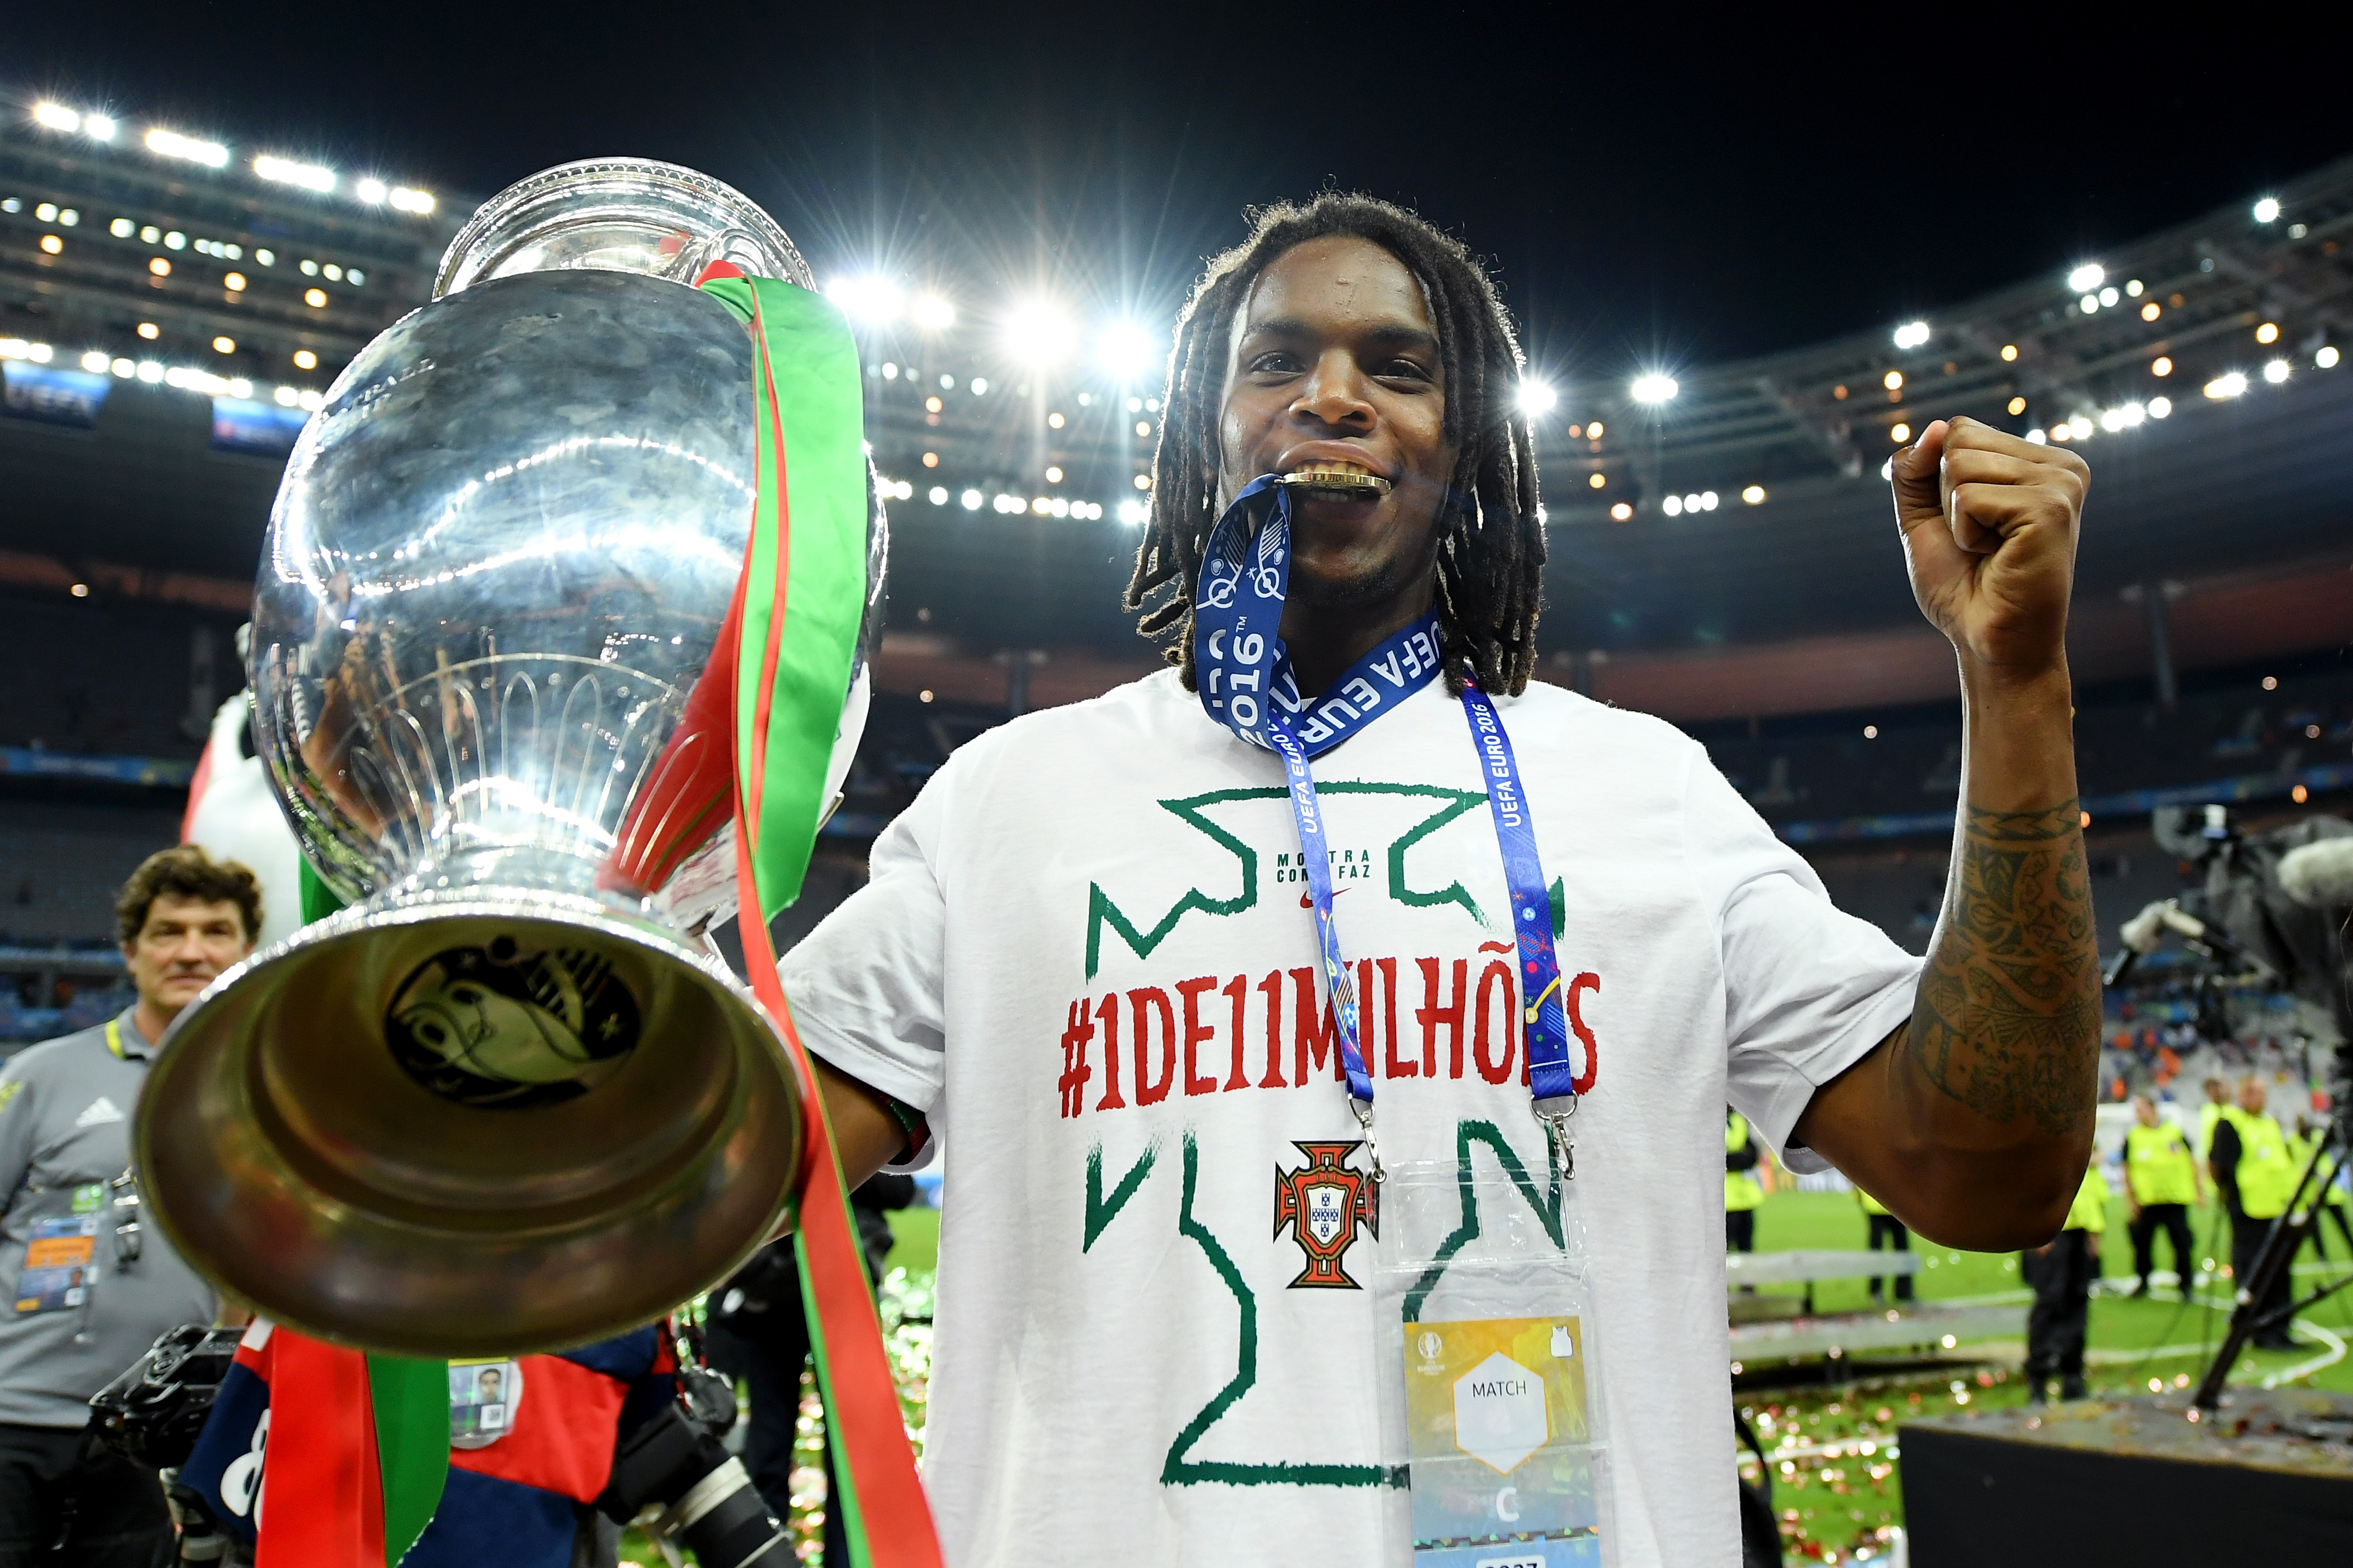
(1989, 524)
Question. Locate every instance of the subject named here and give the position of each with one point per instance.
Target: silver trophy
(506, 1100)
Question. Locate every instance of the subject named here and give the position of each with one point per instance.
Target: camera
(151, 1412)
(675, 1459)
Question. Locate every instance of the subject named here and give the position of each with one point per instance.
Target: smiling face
(1334, 361)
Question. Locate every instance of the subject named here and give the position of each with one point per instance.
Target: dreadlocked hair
(1490, 532)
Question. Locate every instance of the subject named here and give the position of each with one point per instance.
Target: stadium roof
(2198, 367)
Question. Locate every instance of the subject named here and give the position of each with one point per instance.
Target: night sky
(1651, 184)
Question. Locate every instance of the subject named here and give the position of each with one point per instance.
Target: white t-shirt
(1121, 1365)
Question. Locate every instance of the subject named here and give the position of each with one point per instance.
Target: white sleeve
(866, 986)
(1808, 988)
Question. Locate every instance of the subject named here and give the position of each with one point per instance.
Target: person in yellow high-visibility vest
(2160, 1186)
(2218, 1100)
(2061, 1271)
(2334, 1184)
(1743, 1193)
(2255, 1171)
(1888, 1231)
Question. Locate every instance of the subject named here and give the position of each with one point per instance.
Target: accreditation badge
(483, 1398)
(60, 1252)
(58, 1256)
(1492, 1394)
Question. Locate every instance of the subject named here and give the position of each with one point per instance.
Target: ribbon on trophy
(359, 1449)
(358, 1442)
(783, 665)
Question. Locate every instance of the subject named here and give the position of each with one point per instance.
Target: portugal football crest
(1322, 1204)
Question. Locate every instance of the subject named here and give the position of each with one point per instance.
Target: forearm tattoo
(2008, 1018)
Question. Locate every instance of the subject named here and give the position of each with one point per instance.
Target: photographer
(93, 1289)
(549, 1454)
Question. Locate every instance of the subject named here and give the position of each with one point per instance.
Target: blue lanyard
(1247, 684)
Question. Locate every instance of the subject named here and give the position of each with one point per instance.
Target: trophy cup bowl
(499, 1101)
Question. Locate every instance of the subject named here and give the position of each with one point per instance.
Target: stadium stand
(1722, 558)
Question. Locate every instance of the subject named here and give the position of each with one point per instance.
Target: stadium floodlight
(1537, 399)
(2158, 407)
(97, 127)
(94, 361)
(1038, 333)
(2089, 276)
(1910, 334)
(404, 199)
(1754, 495)
(371, 191)
(172, 144)
(286, 172)
(55, 116)
(1654, 388)
(2267, 210)
(970, 500)
(868, 298)
(2080, 426)
(2326, 358)
(1135, 513)
(2230, 386)
(2275, 372)
(931, 312)
(1128, 350)
(1673, 505)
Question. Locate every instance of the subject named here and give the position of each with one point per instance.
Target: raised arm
(1973, 1122)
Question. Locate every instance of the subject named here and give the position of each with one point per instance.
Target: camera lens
(725, 1524)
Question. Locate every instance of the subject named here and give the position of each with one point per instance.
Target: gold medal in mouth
(1352, 481)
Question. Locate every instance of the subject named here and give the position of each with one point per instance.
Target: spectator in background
(2333, 1185)
(2218, 1098)
(92, 1295)
(1888, 1231)
(2161, 1185)
(2060, 1272)
(1744, 1194)
(2255, 1172)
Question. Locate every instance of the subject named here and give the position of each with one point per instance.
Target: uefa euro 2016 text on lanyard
(1246, 682)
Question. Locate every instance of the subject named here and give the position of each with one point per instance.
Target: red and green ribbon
(795, 621)
(359, 1443)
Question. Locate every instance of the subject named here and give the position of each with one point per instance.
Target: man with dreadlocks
(1344, 891)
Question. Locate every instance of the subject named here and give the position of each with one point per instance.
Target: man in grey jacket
(88, 1294)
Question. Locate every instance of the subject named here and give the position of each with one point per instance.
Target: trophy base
(473, 1123)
